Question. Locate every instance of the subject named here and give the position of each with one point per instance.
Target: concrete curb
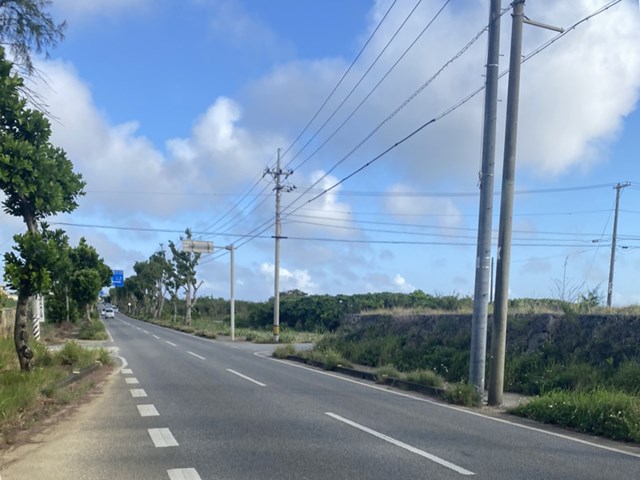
(372, 376)
(74, 377)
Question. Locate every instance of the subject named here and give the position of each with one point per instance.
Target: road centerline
(196, 355)
(398, 443)
(246, 378)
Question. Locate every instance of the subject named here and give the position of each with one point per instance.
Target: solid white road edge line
(246, 378)
(183, 474)
(147, 410)
(196, 355)
(138, 392)
(172, 344)
(417, 451)
(162, 437)
(451, 407)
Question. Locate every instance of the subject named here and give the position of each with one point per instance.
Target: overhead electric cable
(341, 79)
(358, 84)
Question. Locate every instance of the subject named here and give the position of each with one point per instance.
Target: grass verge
(601, 412)
(26, 396)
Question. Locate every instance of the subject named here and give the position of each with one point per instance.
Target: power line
(355, 87)
(339, 81)
(392, 114)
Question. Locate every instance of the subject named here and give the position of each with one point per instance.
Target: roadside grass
(213, 329)
(93, 331)
(607, 413)
(21, 393)
(284, 351)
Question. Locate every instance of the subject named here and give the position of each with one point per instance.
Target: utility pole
(232, 298)
(483, 252)
(612, 263)
(500, 306)
(277, 175)
(499, 330)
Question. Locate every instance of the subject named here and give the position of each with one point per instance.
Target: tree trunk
(88, 312)
(21, 333)
(187, 314)
(66, 298)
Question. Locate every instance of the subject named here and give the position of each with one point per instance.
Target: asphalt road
(184, 407)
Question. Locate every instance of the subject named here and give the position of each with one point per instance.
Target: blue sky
(172, 110)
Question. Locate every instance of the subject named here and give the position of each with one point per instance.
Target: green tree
(185, 275)
(90, 274)
(38, 180)
(26, 25)
(27, 270)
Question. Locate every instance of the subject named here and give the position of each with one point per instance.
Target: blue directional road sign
(117, 279)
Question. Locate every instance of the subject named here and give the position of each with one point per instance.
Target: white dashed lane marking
(138, 393)
(183, 474)
(196, 355)
(131, 381)
(172, 344)
(127, 371)
(162, 437)
(148, 410)
(246, 378)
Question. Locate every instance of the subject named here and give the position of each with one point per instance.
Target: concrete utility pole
(499, 330)
(483, 252)
(277, 174)
(500, 307)
(232, 299)
(612, 263)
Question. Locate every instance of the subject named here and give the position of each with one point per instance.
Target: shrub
(69, 354)
(463, 394)
(104, 357)
(284, 351)
(627, 378)
(425, 377)
(93, 331)
(607, 413)
(387, 371)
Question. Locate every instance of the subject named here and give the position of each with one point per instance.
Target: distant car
(115, 309)
(109, 313)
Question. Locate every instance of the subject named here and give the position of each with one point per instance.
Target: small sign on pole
(197, 246)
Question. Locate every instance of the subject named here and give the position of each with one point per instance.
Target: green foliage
(425, 377)
(27, 269)
(608, 413)
(627, 378)
(94, 330)
(387, 371)
(70, 353)
(463, 394)
(36, 177)
(104, 357)
(284, 351)
(27, 25)
(328, 358)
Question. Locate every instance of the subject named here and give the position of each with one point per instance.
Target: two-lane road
(189, 408)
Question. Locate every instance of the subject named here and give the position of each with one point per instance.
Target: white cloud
(400, 282)
(574, 95)
(289, 279)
